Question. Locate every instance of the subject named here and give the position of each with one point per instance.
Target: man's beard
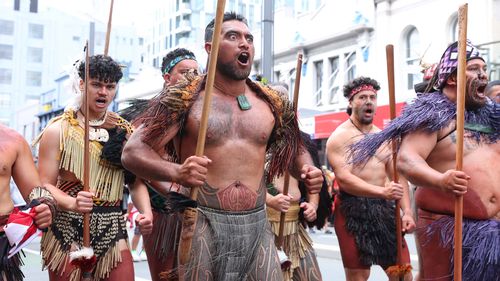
(229, 70)
(361, 117)
(472, 100)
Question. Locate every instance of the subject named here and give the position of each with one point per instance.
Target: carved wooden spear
(286, 183)
(462, 45)
(191, 214)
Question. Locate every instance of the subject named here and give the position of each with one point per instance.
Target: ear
(82, 85)
(208, 47)
(166, 78)
(452, 80)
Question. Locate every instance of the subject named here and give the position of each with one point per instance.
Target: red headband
(364, 87)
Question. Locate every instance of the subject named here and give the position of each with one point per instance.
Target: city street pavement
(326, 246)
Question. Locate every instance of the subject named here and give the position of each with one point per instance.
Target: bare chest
(7, 158)
(228, 122)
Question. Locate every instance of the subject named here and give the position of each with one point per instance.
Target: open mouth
(243, 58)
(480, 91)
(100, 102)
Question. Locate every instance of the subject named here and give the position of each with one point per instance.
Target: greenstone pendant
(243, 102)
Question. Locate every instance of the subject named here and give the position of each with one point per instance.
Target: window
(33, 78)
(35, 31)
(6, 52)
(35, 54)
(5, 76)
(351, 66)
(17, 5)
(412, 58)
(34, 6)
(141, 41)
(333, 87)
(76, 38)
(4, 100)
(318, 91)
(6, 27)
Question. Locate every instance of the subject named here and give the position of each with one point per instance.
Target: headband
(175, 61)
(364, 87)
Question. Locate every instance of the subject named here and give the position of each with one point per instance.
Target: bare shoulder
(10, 138)
(51, 134)
(341, 137)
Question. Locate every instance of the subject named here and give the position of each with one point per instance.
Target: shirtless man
(231, 232)
(61, 165)
(363, 209)
(17, 162)
(427, 159)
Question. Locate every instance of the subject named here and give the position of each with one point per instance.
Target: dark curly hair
(174, 54)
(356, 83)
(102, 68)
(209, 30)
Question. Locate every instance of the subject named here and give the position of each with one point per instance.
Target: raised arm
(415, 148)
(145, 162)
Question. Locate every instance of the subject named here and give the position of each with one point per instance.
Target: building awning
(325, 124)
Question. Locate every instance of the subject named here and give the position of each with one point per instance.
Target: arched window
(412, 43)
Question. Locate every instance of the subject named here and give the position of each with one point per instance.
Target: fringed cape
(429, 112)
(481, 246)
(171, 108)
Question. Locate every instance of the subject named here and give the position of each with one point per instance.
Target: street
(326, 246)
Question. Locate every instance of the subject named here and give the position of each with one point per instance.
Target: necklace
(243, 102)
(97, 122)
(361, 131)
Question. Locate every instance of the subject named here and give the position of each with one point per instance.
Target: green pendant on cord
(243, 102)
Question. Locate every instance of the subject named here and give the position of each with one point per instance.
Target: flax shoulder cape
(429, 112)
(107, 179)
(171, 108)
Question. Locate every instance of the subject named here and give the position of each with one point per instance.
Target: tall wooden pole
(108, 31)
(191, 214)
(86, 150)
(389, 49)
(286, 183)
(461, 78)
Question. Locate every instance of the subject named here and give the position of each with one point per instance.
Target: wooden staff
(389, 50)
(462, 45)
(108, 31)
(86, 151)
(191, 214)
(286, 183)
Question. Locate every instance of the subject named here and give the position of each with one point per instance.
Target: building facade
(341, 42)
(38, 44)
